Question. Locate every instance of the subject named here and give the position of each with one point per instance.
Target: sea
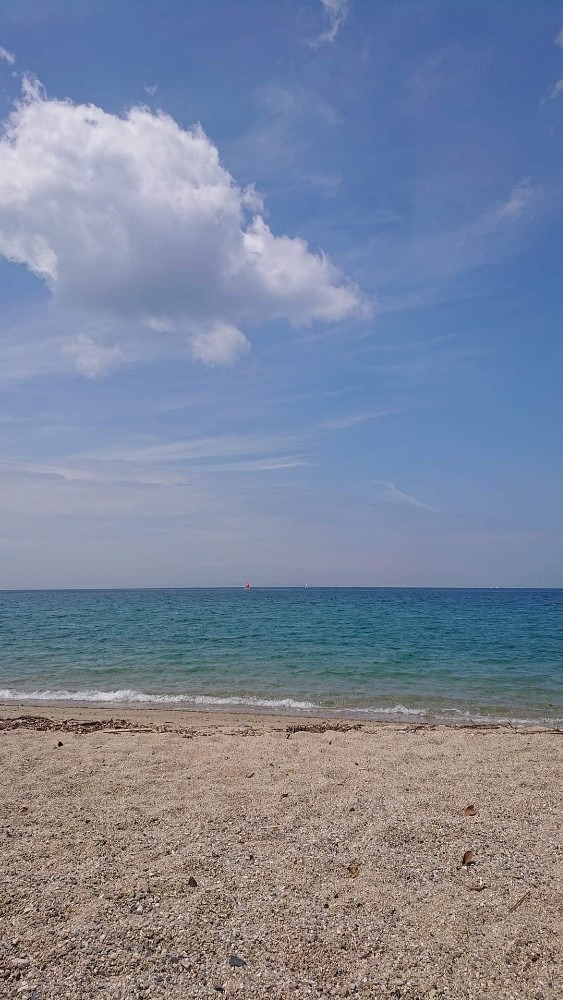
(396, 653)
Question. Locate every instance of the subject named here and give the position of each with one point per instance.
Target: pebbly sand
(228, 855)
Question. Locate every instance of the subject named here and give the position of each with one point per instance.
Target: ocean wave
(127, 696)
(395, 710)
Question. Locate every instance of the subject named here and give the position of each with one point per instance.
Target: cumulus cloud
(136, 217)
(336, 12)
(93, 359)
(221, 346)
(6, 56)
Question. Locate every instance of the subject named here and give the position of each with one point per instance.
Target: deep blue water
(440, 653)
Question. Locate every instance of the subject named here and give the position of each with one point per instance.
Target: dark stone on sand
(236, 963)
(192, 882)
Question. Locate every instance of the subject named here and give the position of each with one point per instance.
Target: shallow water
(427, 653)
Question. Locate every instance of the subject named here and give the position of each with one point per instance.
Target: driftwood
(42, 724)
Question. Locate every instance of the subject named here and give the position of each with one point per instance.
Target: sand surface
(141, 863)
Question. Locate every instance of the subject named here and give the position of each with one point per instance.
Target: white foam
(127, 696)
(396, 710)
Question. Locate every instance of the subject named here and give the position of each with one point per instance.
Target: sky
(281, 293)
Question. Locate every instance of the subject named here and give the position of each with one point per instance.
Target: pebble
(236, 963)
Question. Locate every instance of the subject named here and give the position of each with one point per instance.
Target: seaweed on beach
(334, 725)
(40, 723)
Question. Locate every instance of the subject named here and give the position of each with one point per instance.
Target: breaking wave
(126, 696)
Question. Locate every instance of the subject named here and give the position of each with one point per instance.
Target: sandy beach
(178, 854)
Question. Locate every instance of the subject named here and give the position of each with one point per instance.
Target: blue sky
(281, 293)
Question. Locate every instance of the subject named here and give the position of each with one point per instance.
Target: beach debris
(478, 888)
(284, 795)
(470, 811)
(219, 989)
(43, 724)
(251, 774)
(192, 882)
(353, 870)
(468, 859)
(518, 902)
(236, 963)
(60, 743)
(333, 726)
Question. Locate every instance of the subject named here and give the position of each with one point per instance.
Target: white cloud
(392, 494)
(223, 345)
(198, 449)
(93, 359)
(344, 423)
(556, 90)
(336, 11)
(559, 39)
(136, 218)
(518, 203)
(6, 56)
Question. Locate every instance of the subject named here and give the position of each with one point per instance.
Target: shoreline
(408, 717)
(156, 719)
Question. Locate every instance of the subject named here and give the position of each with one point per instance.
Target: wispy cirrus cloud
(519, 202)
(346, 422)
(555, 91)
(417, 271)
(336, 12)
(198, 449)
(6, 56)
(391, 494)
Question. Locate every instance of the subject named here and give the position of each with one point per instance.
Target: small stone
(60, 743)
(236, 963)
(192, 882)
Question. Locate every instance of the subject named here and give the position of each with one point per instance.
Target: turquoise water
(373, 652)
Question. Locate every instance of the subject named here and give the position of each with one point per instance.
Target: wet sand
(188, 854)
